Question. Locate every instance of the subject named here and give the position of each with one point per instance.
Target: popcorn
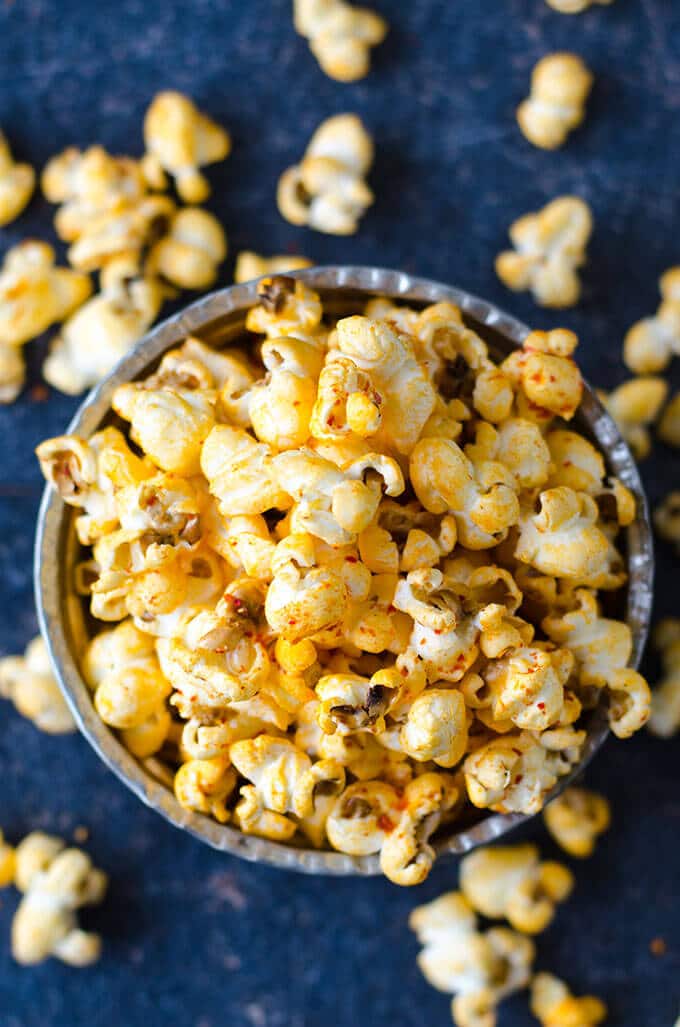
(554, 1005)
(189, 255)
(34, 293)
(667, 519)
(340, 36)
(560, 84)
(574, 6)
(549, 248)
(56, 881)
(325, 565)
(576, 818)
(651, 342)
(509, 881)
(635, 405)
(669, 423)
(7, 862)
(179, 140)
(479, 968)
(12, 372)
(17, 182)
(28, 681)
(251, 265)
(665, 717)
(326, 190)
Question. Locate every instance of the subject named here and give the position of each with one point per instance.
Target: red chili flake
(437, 631)
(385, 824)
(541, 705)
(296, 402)
(567, 463)
(292, 621)
(538, 377)
(404, 672)
(519, 779)
(391, 609)
(552, 378)
(351, 559)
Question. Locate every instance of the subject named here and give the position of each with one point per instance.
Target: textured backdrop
(199, 939)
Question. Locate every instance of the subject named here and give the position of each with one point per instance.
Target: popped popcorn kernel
(340, 35)
(665, 717)
(652, 342)
(554, 1005)
(17, 182)
(29, 683)
(560, 84)
(576, 818)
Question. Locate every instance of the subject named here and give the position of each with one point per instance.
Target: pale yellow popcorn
(549, 381)
(665, 718)
(564, 540)
(56, 882)
(527, 686)
(576, 818)
(554, 1005)
(667, 519)
(12, 372)
(7, 862)
(388, 358)
(327, 189)
(635, 405)
(179, 140)
(479, 968)
(550, 246)
(305, 602)
(361, 817)
(629, 703)
(118, 237)
(349, 703)
(481, 497)
(169, 424)
(191, 252)
(600, 645)
(574, 6)
(406, 856)
(560, 84)
(34, 293)
(510, 881)
(651, 342)
(281, 405)
(240, 472)
(17, 182)
(575, 462)
(518, 445)
(88, 184)
(436, 728)
(251, 265)
(205, 785)
(100, 333)
(340, 36)
(669, 423)
(204, 738)
(287, 307)
(346, 402)
(29, 682)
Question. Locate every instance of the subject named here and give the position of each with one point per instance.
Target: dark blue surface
(194, 938)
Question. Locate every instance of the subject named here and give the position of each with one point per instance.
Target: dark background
(199, 939)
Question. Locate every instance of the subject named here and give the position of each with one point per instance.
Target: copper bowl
(218, 319)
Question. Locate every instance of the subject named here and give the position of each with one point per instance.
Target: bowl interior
(218, 320)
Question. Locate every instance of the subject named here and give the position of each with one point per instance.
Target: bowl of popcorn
(343, 568)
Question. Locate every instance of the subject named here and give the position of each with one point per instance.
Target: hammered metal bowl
(218, 319)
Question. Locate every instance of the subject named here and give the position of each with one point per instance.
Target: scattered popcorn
(478, 968)
(667, 519)
(179, 140)
(7, 862)
(28, 681)
(327, 189)
(574, 6)
(17, 182)
(669, 423)
(191, 252)
(509, 881)
(665, 718)
(313, 581)
(550, 246)
(651, 342)
(554, 1005)
(635, 405)
(55, 882)
(251, 265)
(576, 818)
(340, 36)
(560, 84)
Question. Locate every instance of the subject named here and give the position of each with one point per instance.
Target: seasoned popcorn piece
(574, 6)
(28, 681)
(669, 423)
(517, 444)
(118, 238)
(550, 246)
(665, 717)
(101, 332)
(191, 252)
(287, 307)
(281, 404)
(554, 1005)
(56, 882)
(436, 728)
(89, 183)
(406, 856)
(576, 818)
(509, 881)
(240, 472)
(635, 405)
(575, 462)
(651, 342)
(560, 84)
(251, 265)
(564, 540)
(179, 140)
(12, 372)
(629, 703)
(599, 644)
(349, 703)
(34, 293)
(305, 602)
(340, 36)
(667, 519)
(206, 785)
(362, 816)
(7, 862)
(17, 182)
(327, 189)
(546, 375)
(479, 968)
(526, 687)
(346, 402)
